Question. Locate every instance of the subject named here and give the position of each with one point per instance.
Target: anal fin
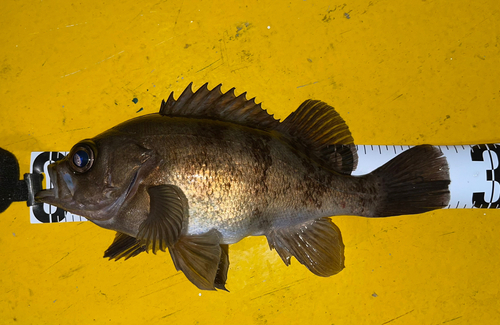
(316, 244)
(199, 256)
(124, 246)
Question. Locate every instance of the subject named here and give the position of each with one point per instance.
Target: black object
(11, 188)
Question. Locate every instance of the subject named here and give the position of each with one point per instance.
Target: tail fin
(414, 182)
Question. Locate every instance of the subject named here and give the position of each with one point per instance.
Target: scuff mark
(56, 262)
(327, 18)
(208, 66)
(99, 62)
(73, 25)
(70, 272)
(171, 314)
(398, 317)
(397, 97)
(178, 14)
(72, 73)
(168, 39)
(165, 288)
(451, 320)
(240, 30)
(168, 277)
(311, 83)
(110, 57)
(283, 288)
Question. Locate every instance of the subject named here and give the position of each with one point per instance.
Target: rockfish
(212, 168)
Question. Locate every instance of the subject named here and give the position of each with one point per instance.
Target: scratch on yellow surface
(399, 72)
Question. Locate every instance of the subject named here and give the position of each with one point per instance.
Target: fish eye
(81, 157)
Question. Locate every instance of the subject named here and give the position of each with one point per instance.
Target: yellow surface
(399, 72)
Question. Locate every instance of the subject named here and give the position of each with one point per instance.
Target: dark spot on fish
(187, 45)
(346, 15)
(257, 213)
(262, 221)
(314, 191)
(259, 147)
(116, 103)
(135, 100)
(215, 130)
(309, 167)
(140, 109)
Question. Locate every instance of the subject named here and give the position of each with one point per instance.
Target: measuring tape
(474, 175)
(474, 171)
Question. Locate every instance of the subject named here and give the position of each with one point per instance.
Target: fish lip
(48, 194)
(42, 195)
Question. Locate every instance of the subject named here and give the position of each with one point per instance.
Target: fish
(212, 168)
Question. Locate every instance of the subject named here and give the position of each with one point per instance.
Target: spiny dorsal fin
(322, 132)
(213, 104)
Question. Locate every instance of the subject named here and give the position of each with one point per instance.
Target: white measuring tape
(474, 171)
(474, 174)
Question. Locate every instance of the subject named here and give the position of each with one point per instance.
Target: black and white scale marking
(474, 171)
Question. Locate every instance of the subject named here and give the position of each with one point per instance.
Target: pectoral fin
(124, 246)
(163, 225)
(199, 257)
(316, 244)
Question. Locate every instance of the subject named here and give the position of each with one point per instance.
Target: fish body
(210, 169)
(238, 180)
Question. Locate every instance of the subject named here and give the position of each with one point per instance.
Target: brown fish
(210, 169)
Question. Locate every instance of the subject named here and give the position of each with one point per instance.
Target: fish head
(98, 176)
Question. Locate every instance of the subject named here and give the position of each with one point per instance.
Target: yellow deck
(399, 72)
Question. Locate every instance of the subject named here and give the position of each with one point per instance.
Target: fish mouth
(44, 194)
(50, 194)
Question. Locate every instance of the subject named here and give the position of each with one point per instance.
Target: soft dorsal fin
(213, 104)
(323, 133)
